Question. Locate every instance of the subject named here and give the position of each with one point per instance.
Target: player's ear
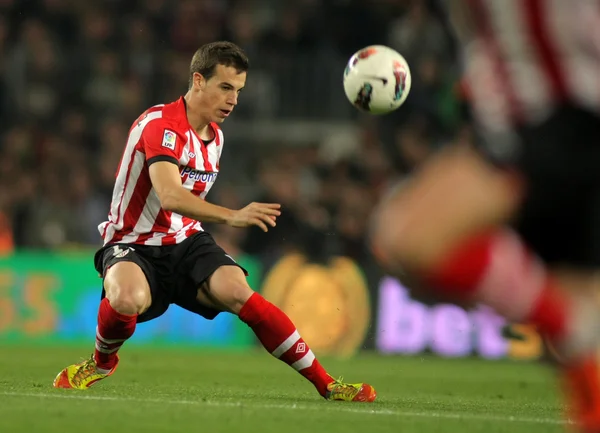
(199, 81)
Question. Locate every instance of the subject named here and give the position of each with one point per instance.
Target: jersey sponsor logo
(169, 138)
(198, 175)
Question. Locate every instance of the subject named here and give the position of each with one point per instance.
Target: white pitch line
(333, 407)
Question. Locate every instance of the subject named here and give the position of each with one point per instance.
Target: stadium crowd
(74, 75)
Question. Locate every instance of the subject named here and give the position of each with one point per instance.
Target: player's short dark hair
(208, 56)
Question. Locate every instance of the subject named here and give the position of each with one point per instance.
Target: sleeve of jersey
(161, 144)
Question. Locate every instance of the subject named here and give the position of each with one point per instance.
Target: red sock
(279, 336)
(112, 331)
(496, 269)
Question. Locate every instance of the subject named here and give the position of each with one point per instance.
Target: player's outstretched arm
(175, 198)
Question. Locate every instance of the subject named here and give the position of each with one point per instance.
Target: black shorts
(560, 161)
(174, 272)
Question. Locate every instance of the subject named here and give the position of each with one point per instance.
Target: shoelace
(341, 388)
(87, 369)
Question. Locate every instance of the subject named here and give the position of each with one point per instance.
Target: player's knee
(127, 289)
(128, 297)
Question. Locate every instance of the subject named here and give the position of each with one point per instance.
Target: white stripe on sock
(514, 279)
(304, 362)
(285, 346)
(104, 350)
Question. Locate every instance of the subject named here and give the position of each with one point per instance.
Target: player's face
(219, 94)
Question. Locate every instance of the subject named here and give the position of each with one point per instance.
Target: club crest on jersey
(169, 138)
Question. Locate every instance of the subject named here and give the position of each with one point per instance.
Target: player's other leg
(226, 289)
(446, 229)
(127, 296)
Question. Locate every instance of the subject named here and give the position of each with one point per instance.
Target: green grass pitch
(171, 390)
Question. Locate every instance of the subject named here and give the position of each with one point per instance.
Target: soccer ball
(377, 79)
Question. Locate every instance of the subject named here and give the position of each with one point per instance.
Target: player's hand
(263, 215)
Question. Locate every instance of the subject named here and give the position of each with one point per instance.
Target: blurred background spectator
(74, 75)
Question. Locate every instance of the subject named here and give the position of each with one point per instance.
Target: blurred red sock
(495, 268)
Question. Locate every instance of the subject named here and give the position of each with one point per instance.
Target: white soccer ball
(377, 79)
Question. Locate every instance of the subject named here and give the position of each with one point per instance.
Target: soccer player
(515, 222)
(155, 251)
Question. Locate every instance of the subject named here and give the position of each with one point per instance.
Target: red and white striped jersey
(162, 133)
(524, 57)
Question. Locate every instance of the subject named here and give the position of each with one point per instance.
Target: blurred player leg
(580, 380)
(446, 228)
(127, 295)
(227, 289)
